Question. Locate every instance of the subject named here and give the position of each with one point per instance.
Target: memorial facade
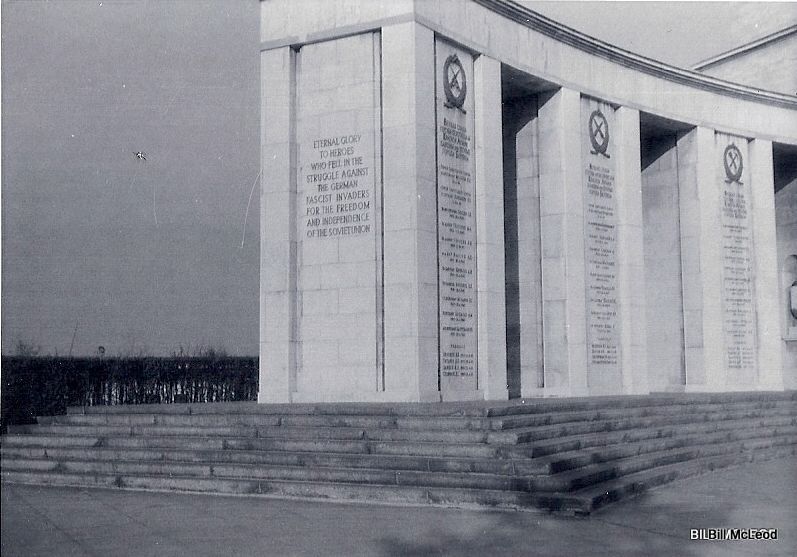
(468, 201)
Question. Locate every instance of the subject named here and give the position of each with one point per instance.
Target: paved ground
(72, 521)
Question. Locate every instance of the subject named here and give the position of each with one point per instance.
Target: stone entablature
(540, 46)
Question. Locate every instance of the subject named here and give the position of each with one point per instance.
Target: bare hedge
(45, 386)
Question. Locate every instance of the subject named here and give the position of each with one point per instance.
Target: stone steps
(513, 477)
(568, 460)
(573, 429)
(678, 401)
(371, 493)
(590, 474)
(562, 430)
(562, 455)
(271, 472)
(424, 423)
(265, 432)
(566, 443)
(198, 442)
(563, 417)
(544, 466)
(342, 460)
(588, 499)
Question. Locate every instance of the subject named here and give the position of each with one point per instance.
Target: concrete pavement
(39, 521)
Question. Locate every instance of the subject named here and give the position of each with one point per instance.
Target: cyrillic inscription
(600, 246)
(456, 228)
(601, 253)
(737, 275)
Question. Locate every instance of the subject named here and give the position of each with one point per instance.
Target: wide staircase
(568, 455)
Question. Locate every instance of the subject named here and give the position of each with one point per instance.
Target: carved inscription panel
(337, 218)
(738, 315)
(338, 186)
(600, 244)
(456, 224)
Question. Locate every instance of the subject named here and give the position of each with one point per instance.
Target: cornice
(531, 19)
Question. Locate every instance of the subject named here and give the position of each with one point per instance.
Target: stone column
(562, 224)
(701, 260)
(410, 232)
(631, 262)
(528, 254)
(765, 270)
(278, 266)
(663, 285)
(490, 229)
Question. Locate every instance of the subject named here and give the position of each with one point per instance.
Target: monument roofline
(551, 28)
(745, 48)
(550, 51)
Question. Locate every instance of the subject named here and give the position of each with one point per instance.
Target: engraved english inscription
(338, 184)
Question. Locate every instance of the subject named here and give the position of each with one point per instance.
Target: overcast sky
(98, 245)
(90, 232)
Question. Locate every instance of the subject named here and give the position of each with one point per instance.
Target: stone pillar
(602, 152)
(410, 224)
(701, 260)
(631, 262)
(662, 245)
(528, 254)
(765, 270)
(278, 248)
(490, 229)
(562, 224)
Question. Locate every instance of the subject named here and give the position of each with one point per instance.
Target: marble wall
(339, 217)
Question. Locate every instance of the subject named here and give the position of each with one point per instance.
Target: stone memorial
(466, 201)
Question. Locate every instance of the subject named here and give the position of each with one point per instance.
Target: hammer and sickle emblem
(454, 82)
(598, 133)
(732, 159)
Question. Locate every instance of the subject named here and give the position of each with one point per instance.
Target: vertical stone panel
(278, 261)
(338, 218)
(602, 272)
(490, 229)
(410, 245)
(523, 249)
(765, 266)
(701, 259)
(662, 239)
(631, 267)
(786, 233)
(738, 261)
(563, 293)
(456, 222)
